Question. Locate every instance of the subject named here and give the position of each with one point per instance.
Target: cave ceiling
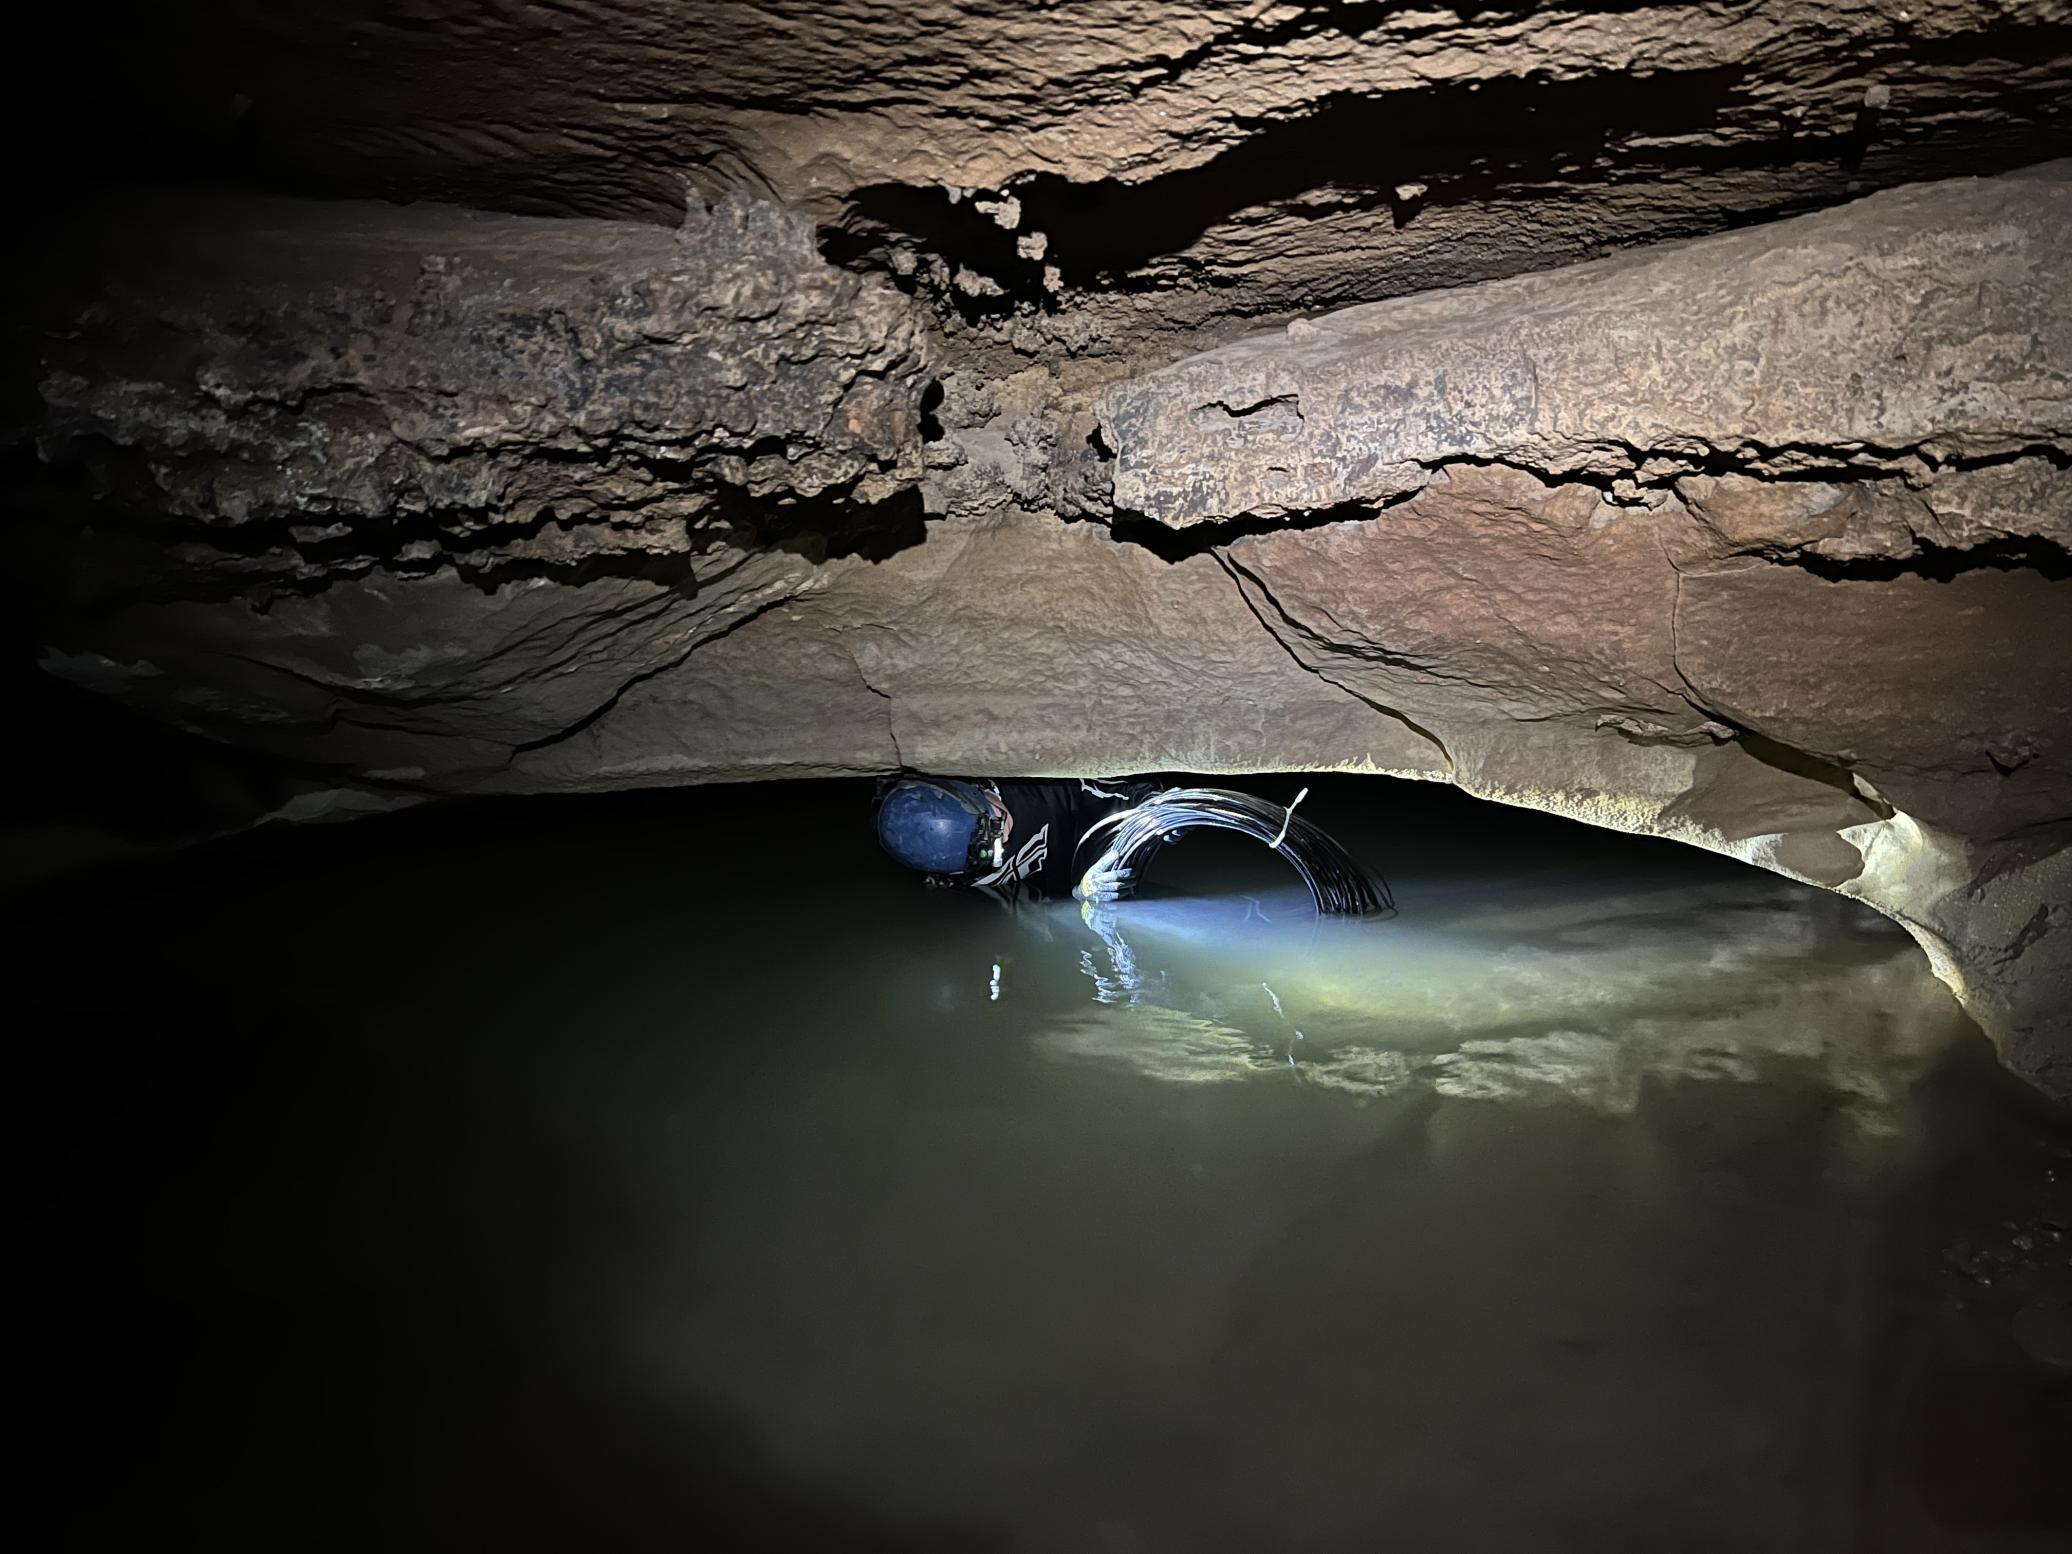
(1104, 171)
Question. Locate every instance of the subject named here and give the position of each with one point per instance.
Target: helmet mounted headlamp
(944, 827)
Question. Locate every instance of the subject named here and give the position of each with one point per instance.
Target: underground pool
(643, 1170)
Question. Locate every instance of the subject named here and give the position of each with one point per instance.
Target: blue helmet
(936, 825)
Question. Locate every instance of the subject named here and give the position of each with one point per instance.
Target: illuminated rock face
(1759, 541)
(1224, 159)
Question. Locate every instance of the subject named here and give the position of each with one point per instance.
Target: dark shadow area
(1172, 543)
(88, 777)
(1962, 1411)
(1803, 763)
(829, 526)
(1497, 135)
(931, 403)
(1940, 563)
(927, 219)
(294, 1288)
(96, 544)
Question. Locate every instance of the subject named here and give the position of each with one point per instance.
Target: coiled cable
(1339, 885)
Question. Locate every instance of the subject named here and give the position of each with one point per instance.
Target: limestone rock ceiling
(1919, 330)
(342, 386)
(1062, 162)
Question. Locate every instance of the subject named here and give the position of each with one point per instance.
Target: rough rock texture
(1902, 738)
(287, 394)
(1930, 328)
(1103, 171)
(411, 489)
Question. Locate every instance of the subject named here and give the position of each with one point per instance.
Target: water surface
(675, 1169)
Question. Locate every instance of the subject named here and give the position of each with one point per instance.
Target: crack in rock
(1240, 577)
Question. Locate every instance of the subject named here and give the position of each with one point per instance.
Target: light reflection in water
(1546, 995)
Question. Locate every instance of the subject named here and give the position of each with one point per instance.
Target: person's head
(942, 826)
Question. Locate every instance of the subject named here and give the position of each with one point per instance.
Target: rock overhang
(1917, 329)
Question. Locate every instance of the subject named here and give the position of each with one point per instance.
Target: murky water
(674, 1170)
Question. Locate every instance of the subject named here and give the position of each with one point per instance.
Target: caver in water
(1021, 838)
(1094, 838)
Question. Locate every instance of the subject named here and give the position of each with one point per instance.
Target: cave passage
(500, 498)
(633, 1170)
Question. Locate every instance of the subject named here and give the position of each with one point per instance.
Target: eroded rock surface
(1916, 330)
(408, 490)
(278, 395)
(1107, 173)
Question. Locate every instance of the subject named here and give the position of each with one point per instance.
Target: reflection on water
(678, 1173)
(1547, 994)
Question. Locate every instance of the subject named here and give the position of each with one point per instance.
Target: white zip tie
(1287, 820)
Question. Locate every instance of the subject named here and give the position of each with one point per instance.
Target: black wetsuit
(1041, 856)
